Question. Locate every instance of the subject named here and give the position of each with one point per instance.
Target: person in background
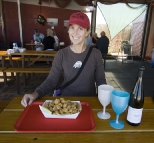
(56, 46)
(38, 36)
(102, 44)
(66, 62)
(94, 38)
(49, 41)
(88, 40)
(38, 39)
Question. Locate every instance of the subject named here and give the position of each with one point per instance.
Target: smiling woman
(70, 61)
(77, 36)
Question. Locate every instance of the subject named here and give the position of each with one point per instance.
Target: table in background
(32, 45)
(3, 55)
(28, 53)
(120, 56)
(32, 53)
(144, 133)
(36, 55)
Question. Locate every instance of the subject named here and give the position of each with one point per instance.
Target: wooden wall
(28, 25)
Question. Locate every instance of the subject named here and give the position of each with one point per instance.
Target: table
(121, 56)
(36, 56)
(30, 53)
(144, 133)
(33, 45)
(3, 55)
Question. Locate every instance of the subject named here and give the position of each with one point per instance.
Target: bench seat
(18, 71)
(13, 58)
(2, 69)
(31, 59)
(27, 70)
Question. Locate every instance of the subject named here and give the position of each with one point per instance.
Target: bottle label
(134, 115)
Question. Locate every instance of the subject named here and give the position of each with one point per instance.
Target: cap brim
(83, 25)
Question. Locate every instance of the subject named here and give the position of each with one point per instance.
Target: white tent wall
(150, 43)
(125, 33)
(137, 34)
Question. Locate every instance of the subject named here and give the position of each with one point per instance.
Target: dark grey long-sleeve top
(64, 62)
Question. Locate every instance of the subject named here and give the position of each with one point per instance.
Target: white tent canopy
(118, 16)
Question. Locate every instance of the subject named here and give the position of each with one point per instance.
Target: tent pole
(94, 18)
(20, 25)
(2, 20)
(146, 31)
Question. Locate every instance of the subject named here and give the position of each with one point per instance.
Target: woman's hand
(28, 99)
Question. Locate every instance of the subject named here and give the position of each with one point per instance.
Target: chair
(126, 50)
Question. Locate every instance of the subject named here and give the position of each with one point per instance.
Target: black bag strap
(80, 70)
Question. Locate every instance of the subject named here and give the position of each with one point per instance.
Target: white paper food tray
(69, 116)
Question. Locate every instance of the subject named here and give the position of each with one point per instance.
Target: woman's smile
(75, 38)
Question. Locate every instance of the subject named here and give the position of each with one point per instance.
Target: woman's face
(77, 34)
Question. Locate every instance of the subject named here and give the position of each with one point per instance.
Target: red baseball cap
(80, 19)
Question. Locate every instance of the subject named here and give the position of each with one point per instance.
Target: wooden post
(93, 22)
(20, 24)
(2, 23)
(146, 30)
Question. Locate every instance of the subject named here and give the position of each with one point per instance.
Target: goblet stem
(116, 123)
(117, 118)
(103, 114)
(104, 110)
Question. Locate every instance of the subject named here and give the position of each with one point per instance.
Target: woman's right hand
(28, 99)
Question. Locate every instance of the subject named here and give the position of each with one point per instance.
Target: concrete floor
(121, 76)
